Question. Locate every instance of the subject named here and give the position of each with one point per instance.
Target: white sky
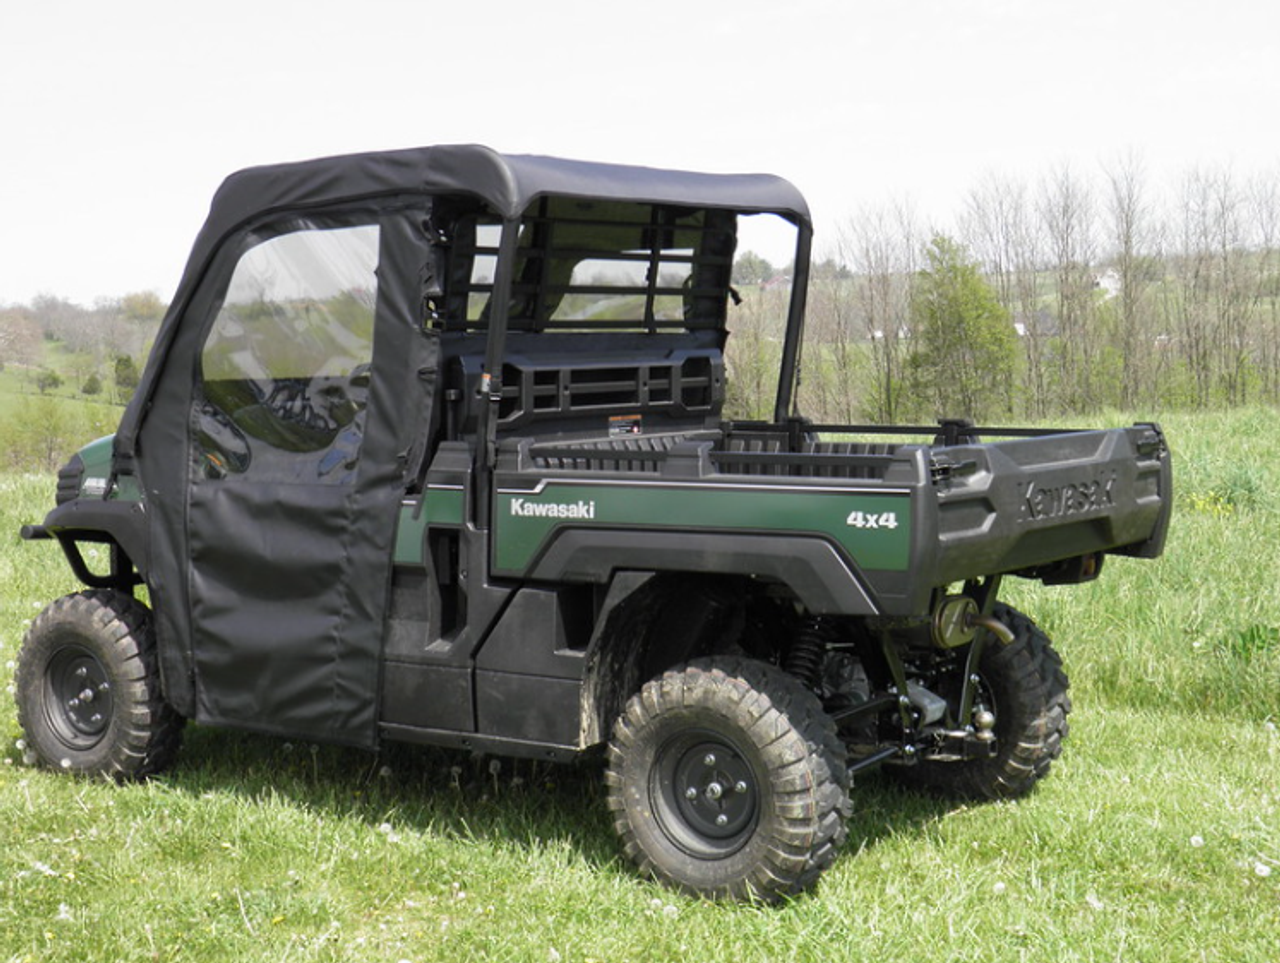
(118, 120)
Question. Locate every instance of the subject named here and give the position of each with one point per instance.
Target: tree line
(101, 348)
(1065, 295)
(64, 372)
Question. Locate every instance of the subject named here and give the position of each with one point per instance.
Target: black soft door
(293, 485)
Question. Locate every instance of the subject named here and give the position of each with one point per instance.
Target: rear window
(599, 266)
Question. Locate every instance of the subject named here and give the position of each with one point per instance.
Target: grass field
(1156, 838)
(43, 429)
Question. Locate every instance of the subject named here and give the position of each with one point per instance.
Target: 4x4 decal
(859, 519)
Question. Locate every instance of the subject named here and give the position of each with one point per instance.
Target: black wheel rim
(78, 699)
(705, 794)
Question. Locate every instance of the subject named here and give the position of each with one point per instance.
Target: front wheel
(1023, 684)
(87, 685)
(726, 778)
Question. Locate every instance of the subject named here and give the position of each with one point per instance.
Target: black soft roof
(507, 183)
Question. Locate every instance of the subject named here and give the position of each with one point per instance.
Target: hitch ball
(984, 722)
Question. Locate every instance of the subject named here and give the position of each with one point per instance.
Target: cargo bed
(1047, 505)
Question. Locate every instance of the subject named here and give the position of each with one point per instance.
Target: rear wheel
(1023, 684)
(727, 779)
(87, 686)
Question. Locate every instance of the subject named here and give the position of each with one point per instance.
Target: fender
(122, 524)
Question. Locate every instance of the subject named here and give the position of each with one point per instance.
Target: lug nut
(740, 787)
(691, 793)
(710, 760)
(722, 820)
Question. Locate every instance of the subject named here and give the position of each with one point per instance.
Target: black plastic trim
(520, 748)
(812, 568)
(123, 523)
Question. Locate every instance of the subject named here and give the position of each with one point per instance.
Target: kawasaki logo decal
(1072, 498)
(524, 508)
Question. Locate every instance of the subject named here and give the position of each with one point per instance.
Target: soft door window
(285, 368)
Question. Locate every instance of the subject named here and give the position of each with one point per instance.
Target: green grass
(1156, 838)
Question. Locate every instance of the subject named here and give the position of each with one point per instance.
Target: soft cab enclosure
(296, 388)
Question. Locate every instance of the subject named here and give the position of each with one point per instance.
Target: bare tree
(1264, 199)
(1189, 303)
(880, 246)
(753, 353)
(1217, 289)
(1132, 236)
(990, 228)
(19, 338)
(999, 227)
(834, 362)
(1065, 212)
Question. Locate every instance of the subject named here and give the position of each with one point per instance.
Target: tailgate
(1022, 504)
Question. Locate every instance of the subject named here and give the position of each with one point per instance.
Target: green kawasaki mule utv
(433, 446)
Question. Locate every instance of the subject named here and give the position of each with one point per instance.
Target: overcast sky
(120, 119)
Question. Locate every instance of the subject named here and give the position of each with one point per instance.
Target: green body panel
(440, 506)
(874, 529)
(96, 457)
